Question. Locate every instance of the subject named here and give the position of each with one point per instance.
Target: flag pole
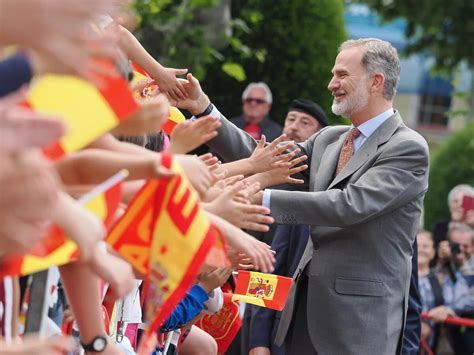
(103, 186)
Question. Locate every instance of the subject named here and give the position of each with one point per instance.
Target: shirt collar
(369, 127)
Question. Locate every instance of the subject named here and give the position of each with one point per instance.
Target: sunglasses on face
(249, 100)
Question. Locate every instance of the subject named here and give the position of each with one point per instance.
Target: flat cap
(311, 108)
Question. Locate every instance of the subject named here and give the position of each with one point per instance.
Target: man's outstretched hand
(196, 100)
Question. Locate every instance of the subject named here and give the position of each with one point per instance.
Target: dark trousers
(298, 341)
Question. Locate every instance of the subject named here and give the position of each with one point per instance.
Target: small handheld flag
(264, 290)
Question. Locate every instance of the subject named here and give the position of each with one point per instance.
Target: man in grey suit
(363, 199)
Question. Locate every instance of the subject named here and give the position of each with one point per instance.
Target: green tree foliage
(444, 29)
(174, 33)
(451, 165)
(291, 45)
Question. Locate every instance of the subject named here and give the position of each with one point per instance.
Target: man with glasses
(256, 104)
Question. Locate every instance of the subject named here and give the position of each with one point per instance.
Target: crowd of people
(445, 276)
(335, 207)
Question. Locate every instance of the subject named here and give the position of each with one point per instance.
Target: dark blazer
(411, 335)
(289, 243)
(269, 128)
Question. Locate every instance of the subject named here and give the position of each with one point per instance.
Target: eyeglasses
(249, 100)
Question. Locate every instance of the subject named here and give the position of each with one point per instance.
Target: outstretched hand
(283, 174)
(230, 206)
(197, 173)
(149, 118)
(269, 156)
(65, 43)
(196, 101)
(189, 135)
(170, 85)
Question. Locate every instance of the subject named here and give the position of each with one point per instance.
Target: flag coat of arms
(225, 324)
(175, 116)
(264, 290)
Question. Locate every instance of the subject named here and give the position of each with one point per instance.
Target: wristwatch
(97, 345)
(206, 112)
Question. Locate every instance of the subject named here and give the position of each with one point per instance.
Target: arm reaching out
(260, 253)
(189, 135)
(283, 174)
(92, 166)
(242, 215)
(165, 78)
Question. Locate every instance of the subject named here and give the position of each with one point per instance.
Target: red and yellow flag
(166, 236)
(264, 290)
(224, 325)
(175, 116)
(89, 111)
(56, 249)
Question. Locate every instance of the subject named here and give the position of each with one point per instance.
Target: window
(432, 110)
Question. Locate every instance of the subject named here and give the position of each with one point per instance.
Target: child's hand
(210, 160)
(189, 135)
(170, 85)
(149, 118)
(115, 271)
(239, 261)
(267, 157)
(213, 279)
(197, 172)
(230, 206)
(283, 174)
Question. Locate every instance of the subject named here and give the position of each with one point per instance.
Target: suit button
(316, 245)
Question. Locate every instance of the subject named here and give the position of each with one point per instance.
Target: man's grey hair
(460, 227)
(379, 57)
(259, 85)
(465, 189)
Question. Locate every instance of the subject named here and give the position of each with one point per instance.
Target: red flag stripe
(116, 92)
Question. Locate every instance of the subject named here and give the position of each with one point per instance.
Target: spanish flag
(56, 249)
(175, 116)
(264, 290)
(89, 111)
(166, 236)
(141, 76)
(225, 324)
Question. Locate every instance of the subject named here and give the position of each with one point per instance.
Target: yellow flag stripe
(249, 299)
(76, 101)
(60, 256)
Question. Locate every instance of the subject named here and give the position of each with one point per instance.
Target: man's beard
(352, 103)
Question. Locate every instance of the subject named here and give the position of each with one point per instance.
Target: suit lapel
(368, 149)
(327, 167)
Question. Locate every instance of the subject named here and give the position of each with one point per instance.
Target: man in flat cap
(304, 119)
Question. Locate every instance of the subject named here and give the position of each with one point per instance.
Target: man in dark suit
(256, 104)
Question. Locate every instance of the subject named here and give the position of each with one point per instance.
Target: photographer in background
(456, 261)
(459, 212)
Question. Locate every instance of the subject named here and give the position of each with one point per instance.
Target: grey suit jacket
(363, 222)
